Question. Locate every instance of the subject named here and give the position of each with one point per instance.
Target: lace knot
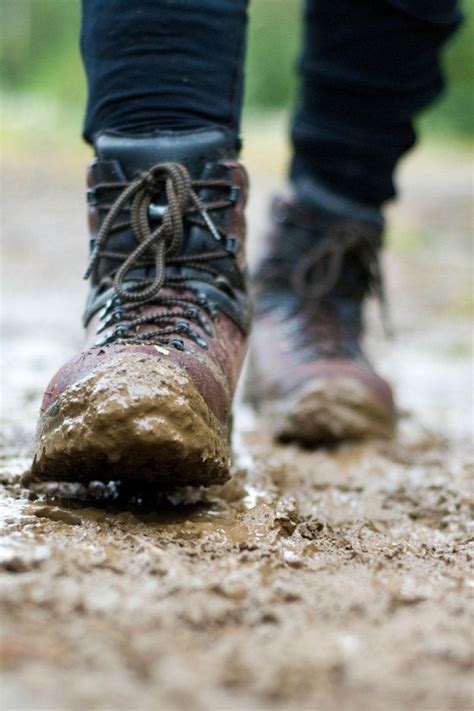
(159, 202)
(318, 272)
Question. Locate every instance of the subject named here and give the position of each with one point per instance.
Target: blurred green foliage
(39, 54)
(272, 50)
(39, 50)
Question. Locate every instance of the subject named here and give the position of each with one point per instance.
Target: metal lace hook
(205, 215)
(210, 224)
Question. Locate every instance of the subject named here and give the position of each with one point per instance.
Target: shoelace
(318, 272)
(159, 247)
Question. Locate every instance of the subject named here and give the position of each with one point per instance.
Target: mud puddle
(325, 579)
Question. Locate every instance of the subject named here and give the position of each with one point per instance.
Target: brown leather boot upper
(167, 270)
(309, 371)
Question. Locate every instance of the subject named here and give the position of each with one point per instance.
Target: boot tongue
(193, 149)
(124, 156)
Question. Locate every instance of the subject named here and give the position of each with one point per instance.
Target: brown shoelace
(158, 246)
(318, 272)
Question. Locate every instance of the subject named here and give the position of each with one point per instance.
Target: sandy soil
(333, 579)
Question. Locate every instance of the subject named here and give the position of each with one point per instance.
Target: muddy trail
(332, 579)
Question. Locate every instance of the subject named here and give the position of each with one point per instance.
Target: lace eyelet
(206, 327)
(177, 343)
(231, 244)
(91, 196)
(106, 308)
(120, 331)
(200, 342)
(234, 193)
(182, 327)
(202, 298)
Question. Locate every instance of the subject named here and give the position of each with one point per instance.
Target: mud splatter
(108, 423)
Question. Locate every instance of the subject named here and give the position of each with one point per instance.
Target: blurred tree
(39, 53)
(39, 50)
(273, 43)
(454, 113)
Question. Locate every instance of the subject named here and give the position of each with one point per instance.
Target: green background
(39, 62)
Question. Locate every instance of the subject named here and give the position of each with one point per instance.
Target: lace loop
(164, 239)
(317, 273)
(157, 246)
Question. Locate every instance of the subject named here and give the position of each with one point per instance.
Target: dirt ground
(332, 579)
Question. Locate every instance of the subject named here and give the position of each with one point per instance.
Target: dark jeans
(368, 66)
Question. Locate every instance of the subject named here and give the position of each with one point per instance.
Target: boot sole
(329, 410)
(136, 418)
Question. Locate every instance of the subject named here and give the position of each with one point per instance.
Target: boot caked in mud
(307, 369)
(149, 398)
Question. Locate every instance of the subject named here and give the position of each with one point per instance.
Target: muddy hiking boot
(308, 372)
(149, 398)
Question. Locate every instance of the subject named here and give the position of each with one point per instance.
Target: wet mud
(333, 578)
(140, 419)
(328, 579)
(329, 410)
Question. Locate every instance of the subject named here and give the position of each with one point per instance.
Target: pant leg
(163, 64)
(368, 67)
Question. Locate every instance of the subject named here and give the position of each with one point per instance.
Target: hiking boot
(149, 398)
(308, 372)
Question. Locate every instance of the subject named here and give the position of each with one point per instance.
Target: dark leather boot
(150, 396)
(308, 372)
